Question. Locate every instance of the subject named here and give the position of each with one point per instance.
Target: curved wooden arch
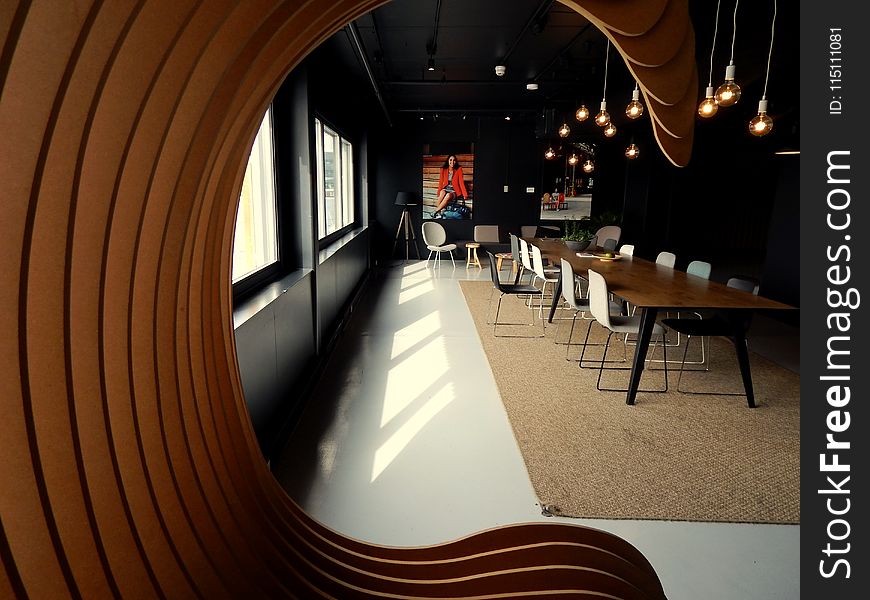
(129, 464)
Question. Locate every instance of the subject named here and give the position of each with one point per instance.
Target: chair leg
(651, 352)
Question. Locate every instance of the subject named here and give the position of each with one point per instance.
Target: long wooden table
(651, 288)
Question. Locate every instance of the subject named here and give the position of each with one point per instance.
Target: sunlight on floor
(411, 377)
(397, 442)
(415, 290)
(414, 268)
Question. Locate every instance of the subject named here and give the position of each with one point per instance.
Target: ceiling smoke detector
(500, 70)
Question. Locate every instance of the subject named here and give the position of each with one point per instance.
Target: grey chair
(721, 324)
(510, 289)
(599, 306)
(435, 238)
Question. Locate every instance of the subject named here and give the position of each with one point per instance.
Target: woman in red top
(451, 184)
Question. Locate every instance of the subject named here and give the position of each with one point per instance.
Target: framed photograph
(448, 182)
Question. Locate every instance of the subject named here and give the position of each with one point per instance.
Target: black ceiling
(549, 44)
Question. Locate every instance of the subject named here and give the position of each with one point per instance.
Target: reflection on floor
(406, 442)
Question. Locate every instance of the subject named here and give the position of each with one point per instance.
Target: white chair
(627, 249)
(576, 304)
(667, 259)
(607, 233)
(549, 275)
(435, 238)
(599, 306)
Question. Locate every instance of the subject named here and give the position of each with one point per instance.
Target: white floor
(407, 443)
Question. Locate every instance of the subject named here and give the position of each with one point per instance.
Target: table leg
(557, 293)
(743, 361)
(647, 320)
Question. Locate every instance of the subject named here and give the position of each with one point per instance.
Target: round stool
(502, 256)
(471, 255)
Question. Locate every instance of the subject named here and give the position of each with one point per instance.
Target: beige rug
(672, 456)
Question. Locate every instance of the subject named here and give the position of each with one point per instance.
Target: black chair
(730, 324)
(510, 289)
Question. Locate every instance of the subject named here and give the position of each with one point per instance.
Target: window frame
(266, 274)
(349, 182)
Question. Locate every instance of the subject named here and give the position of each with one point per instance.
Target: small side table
(471, 255)
(502, 256)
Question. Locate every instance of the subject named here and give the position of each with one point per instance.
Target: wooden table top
(648, 285)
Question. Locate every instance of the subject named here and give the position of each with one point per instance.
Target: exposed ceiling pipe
(542, 9)
(354, 36)
(561, 51)
(433, 47)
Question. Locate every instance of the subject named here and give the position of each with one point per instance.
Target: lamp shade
(406, 199)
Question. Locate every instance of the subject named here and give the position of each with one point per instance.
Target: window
(255, 244)
(335, 204)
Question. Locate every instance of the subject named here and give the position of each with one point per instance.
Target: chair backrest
(538, 262)
(493, 272)
(699, 268)
(609, 244)
(524, 255)
(627, 249)
(608, 232)
(568, 287)
(515, 248)
(528, 231)
(434, 233)
(486, 233)
(667, 259)
(741, 283)
(599, 298)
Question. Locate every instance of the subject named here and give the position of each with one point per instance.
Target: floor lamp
(406, 225)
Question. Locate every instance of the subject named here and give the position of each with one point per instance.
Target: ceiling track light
(430, 66)
(708, 106)
(761, 124)
(603, 117)
(634, 110)
(728, 93)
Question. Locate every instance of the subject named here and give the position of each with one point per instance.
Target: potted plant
(578, 233)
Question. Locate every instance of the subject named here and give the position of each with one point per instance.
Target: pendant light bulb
(610, 130)
(634, 109)
(728, 93)
(603, 117)
(708, 106)
(550, 154)
(761, 124)
(582, 113)
(573, 160)
(588, 166)
(632, 152)
(564, 130)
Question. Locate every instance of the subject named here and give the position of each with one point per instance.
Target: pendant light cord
(606, 61)
(734, 32)
(770, 51)
(713, 47)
